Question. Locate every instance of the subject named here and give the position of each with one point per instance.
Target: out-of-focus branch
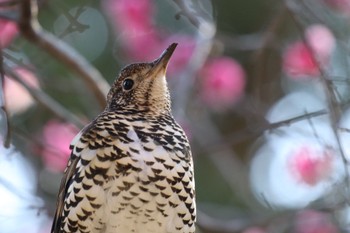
(45, 100)
(334, 107)
(271, 221)
(9, 3)
(262, 55)
(74, 24)
(3, 113)
(33, 32)
(241, 136)
(206, 30)
(211, 224)
(221, 154)
(249, 42)
(193, 14)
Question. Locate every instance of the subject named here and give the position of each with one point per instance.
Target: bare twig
(32, 31)
(45, 100)
(333, 105)
(74, 24)
(243, 135)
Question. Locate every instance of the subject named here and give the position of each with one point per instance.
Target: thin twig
(74, 24)
(33, 32)
(244, 135)
(333, 105)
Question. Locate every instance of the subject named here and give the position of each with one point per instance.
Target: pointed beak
(161, 64)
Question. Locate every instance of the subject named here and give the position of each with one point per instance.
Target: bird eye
(128, 84)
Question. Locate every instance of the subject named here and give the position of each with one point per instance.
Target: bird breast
(145, 194)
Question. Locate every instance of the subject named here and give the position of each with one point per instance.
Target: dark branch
(4, 113)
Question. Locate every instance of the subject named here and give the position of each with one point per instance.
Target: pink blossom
(133, 23)
(139, 38)
(301, 59)
(130, 15)
(57, 137)
(17, 98)
(342, 6)
(141, 46)
(298, 61)
(302, 156)
(311, 166)
(321, 40)
(310, 221)
(223, 82)
(254, 230)
(8, 31)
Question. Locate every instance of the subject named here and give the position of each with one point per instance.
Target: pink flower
(342, 6)
(133, 23)
(311, 166)
(141, 46)
(130, 15)
(8, 31)
(254, 230)
(297, 163)
(57, 137)
(223, 82)
(298, 61)
(17, 98)
(139, 38)
(310, 221)
(321, 40)
(301, 60)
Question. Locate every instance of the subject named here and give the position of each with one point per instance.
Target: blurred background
(261, 88)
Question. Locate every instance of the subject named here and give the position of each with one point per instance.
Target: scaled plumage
(131, 168)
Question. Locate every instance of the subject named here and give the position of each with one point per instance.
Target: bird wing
(62, 193)
(67, 180)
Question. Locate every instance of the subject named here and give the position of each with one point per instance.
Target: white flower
(300, 162)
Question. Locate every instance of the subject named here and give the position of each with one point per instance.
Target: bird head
(142, 86)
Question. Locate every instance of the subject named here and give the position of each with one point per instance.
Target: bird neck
(147, 110)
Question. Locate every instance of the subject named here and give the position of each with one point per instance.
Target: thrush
(130, 169)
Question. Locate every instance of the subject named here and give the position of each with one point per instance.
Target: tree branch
(45, 100)
(33, 32)
(4, 113)
(333, 105)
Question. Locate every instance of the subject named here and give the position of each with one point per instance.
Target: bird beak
(160, 65)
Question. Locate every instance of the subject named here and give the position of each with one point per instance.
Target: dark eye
(128, 84)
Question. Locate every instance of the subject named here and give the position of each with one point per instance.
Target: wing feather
(66, 181)
(67, 178)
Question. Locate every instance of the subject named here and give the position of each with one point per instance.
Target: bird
(131, 168)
